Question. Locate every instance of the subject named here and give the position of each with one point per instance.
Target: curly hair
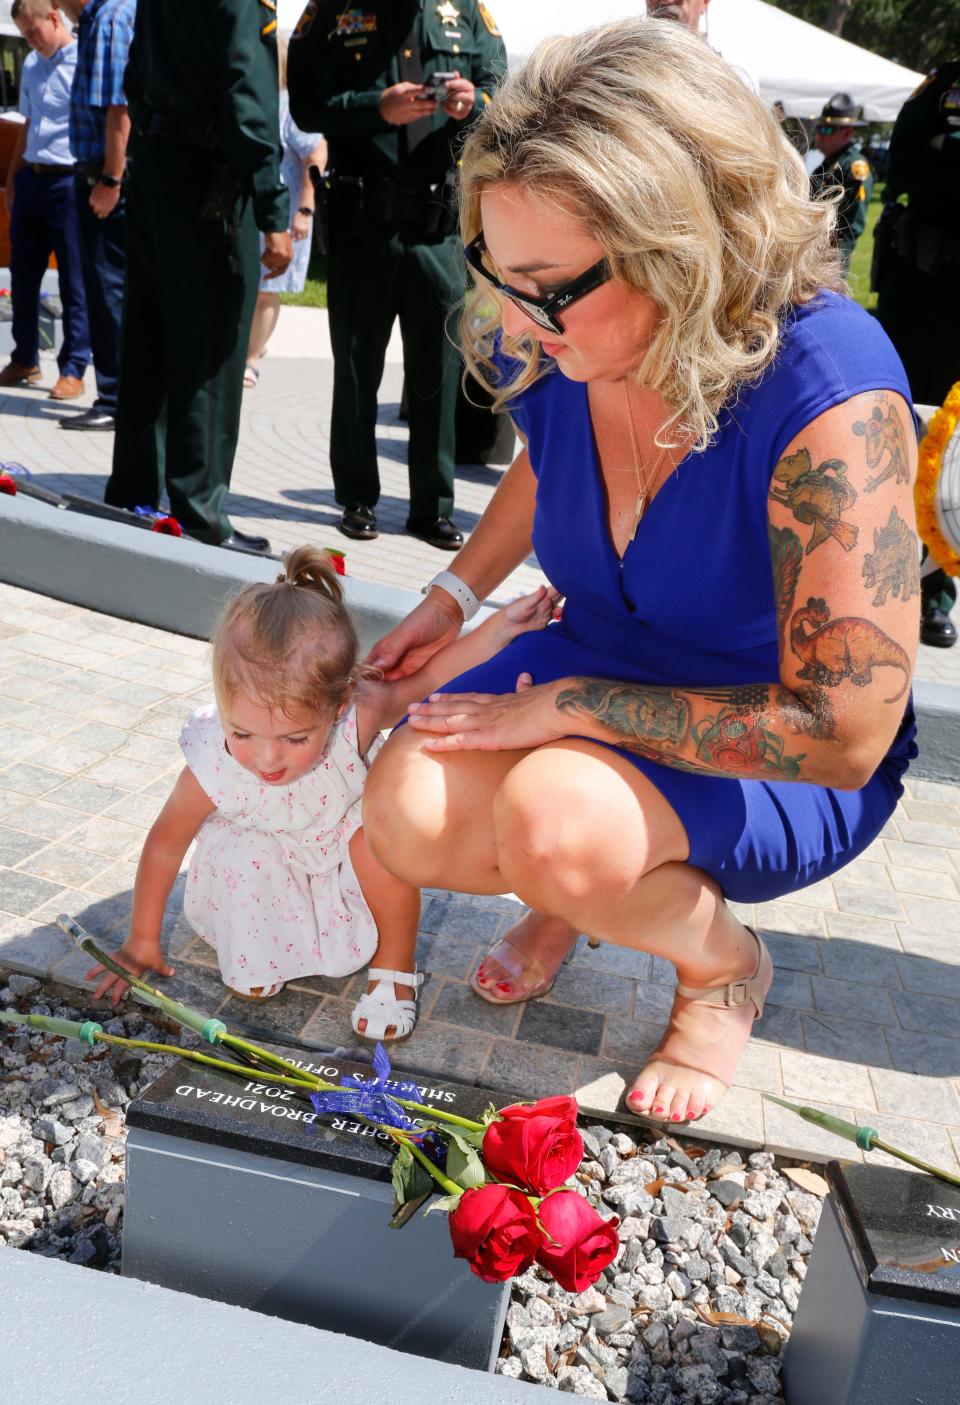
(656, 147)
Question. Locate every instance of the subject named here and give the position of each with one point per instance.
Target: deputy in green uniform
(205, 176)
(845, 167)
(362, 77)
(917, 272)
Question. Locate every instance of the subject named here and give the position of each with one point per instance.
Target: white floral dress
(271, 886)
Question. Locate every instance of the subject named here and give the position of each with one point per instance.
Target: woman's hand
(434, 623)
(516, 721)
(137, 955)
(300, 226)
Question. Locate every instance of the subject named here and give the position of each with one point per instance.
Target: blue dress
(692, 603)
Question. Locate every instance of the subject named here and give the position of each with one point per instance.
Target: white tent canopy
(794, 62)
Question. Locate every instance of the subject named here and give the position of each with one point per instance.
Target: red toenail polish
(658, 1109)
(504, 986)
(675, 1117)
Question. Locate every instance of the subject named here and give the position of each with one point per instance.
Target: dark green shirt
(211, 65)
(851, 171)
(929, 174)
(342, 58)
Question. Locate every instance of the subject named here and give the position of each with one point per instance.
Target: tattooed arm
(844, 560)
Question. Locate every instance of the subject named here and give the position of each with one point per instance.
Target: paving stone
(40, 819)
(759, 1068)
(807, 1077)
(737, 1118)
(854, 927)
(527, 1070)
(778, 1025)
(16, 846)
(345, 988)
(600, 1085)
(793, 953)
(138, 809)
(456, 1004)
(431, 1048)
(932, 945)
(288, 1013)
(791, 989)
(835, 997)
(839, 1037)
(24, 779)
(653, 1003)
(932, 912)
(456, 959)
(924, 882)
(922, 832)
(100, 735)
(928, 977)
(470, 919)
(790, 918)
(630, 1041)
(65, 863)
(21, 893)
(35, 950)
(109, 836)
(84, 795)
(125, 775)
(65, 755)
(924, 1012)
(930, 1099)
(17, 742)
(931, 1054)
(618, 960)
(593, 990)
(859, 962)
(867, 902)
(919, 856)
(561, 1027)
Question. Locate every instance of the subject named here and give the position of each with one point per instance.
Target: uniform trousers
(378, 274)
(918, 312)
(190, 295)
(44, 220)
(102, 258)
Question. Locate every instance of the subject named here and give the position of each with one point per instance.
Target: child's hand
(528, 612)
(137, 955)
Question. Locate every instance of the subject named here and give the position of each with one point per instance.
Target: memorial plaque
(905, 1229)
(878, 1322)
(238, 1190)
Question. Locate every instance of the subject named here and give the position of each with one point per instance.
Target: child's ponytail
(292, 644)
(311, 569)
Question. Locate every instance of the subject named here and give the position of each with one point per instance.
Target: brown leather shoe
(14, 374)
(67, 388)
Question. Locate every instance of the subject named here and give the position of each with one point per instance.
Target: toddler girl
(281, 882)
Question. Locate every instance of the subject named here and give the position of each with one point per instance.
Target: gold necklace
(643, 488)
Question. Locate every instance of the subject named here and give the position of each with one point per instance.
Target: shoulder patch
(488, 19)
(305, 22)
(860, 169)
(269, 26)
(924, 84)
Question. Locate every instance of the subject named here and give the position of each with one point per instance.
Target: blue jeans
(45, 219)
(102, 251)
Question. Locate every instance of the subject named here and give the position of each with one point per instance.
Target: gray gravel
(695, 1309)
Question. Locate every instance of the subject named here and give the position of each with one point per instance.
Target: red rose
(495, 1229)
(536, 1144)
(7, 485)
(584, 1243)
(167, 526)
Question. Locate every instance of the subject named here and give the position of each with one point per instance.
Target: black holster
(320, 181)
(884, 244)
(425, 213)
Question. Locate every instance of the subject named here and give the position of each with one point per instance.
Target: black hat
(842, 111)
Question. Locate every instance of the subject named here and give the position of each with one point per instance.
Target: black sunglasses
(540, 310)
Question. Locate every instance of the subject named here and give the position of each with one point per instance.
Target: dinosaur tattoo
(819, 495)
(845, 648)
(894, 563)
(884, 435)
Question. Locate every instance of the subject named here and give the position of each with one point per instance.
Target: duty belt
(428, 206)
(180, 129)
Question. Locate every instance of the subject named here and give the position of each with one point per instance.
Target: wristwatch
(111, 182)
(305, 210)
(460, 591)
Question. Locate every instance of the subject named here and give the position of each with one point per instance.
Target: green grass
(315, 291)
(863, 253)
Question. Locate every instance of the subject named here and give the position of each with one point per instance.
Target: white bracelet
(460, 591)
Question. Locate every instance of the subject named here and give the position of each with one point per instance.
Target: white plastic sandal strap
(381, 1008)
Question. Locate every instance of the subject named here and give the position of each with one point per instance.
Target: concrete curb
(67, 1327)
(179, 585)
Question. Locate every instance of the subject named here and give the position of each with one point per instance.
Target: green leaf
(410, 1180)
(405, 1212)
(443, 1202)
(463, 1164)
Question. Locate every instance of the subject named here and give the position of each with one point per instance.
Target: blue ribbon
(15, 470)
(150, 512)
(367, 1097)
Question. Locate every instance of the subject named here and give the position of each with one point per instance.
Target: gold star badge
(447, 13)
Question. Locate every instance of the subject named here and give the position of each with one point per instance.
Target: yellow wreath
(932, 448)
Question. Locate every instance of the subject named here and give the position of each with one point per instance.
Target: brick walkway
(862, 1015)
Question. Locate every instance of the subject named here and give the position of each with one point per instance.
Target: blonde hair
(34, 9)
(290, 645)
(682, 175)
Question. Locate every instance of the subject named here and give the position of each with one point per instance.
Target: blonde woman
(714, 434)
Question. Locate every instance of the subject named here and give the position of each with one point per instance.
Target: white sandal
(381, 1008)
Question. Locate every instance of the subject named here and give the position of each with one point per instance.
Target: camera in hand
(435, 87)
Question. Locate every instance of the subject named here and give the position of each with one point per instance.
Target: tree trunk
(836, 16)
